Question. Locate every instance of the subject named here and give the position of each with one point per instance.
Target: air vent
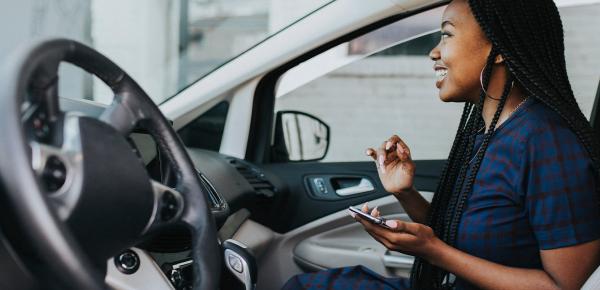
(254, 176)
(217, 203)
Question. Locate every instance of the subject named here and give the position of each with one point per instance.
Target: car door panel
(352, 245)
(335, 240)
(304, 202)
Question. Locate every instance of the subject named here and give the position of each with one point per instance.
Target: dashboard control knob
(54, 175)
(127, 262)
(170, 206)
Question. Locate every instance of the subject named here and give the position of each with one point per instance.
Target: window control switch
(320, 186)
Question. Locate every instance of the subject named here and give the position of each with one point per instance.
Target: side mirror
(299, 136)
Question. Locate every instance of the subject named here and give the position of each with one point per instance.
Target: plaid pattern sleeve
(558, 183)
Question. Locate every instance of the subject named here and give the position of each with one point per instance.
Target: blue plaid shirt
(535, 190)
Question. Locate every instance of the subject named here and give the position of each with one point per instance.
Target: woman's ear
(499, 59)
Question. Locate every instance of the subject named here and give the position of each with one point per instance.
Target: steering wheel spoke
(120, 116)
(168, 207)
(60, 169)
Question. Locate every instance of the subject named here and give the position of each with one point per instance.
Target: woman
(517, 206)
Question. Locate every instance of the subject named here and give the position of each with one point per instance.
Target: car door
(364, 90)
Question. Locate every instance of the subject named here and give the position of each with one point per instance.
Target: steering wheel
(75, 193)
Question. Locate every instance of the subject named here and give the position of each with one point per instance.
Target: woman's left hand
(406, 237)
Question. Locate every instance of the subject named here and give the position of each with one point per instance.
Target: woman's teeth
(441, 74)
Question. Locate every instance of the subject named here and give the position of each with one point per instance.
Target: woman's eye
(445, 34)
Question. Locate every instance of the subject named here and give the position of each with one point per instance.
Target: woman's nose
(434, 54)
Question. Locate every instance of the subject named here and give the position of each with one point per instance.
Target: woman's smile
(440, 73)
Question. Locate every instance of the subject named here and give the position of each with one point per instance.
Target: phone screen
(376, 220)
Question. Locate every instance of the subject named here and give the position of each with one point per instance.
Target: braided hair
(529, 35)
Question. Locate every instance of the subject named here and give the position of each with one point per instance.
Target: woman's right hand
(394, 165)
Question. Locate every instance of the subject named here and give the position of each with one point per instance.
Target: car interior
(119, 196)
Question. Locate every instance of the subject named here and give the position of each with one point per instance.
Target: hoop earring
(483, 89)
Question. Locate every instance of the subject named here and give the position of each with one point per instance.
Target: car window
(165, 45)
(382, 83)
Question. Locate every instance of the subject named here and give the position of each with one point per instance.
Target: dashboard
(231, 182)
(235, 188)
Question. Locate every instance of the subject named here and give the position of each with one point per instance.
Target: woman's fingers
(371, 152)
(381, 239)
(395, 147)
(402, 236)
(374, 154)
(392, 141)
(386, 155)
(402, 150)
(375, 212)
(365, 207)
(402, 154)
(382, 156)
(377, 155)
(391, 150)
(405, 227)
(400, 147)
(380, 234)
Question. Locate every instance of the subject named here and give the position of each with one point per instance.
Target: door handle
(397, 260)
(363, 186)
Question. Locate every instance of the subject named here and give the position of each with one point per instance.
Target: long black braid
(443, 207)
(461, 147)
(529, 35)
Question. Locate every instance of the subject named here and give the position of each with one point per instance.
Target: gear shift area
(240, 261)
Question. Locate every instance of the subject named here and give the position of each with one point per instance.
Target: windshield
(165, 45)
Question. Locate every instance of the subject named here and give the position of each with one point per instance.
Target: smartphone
(376, 220)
